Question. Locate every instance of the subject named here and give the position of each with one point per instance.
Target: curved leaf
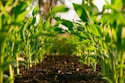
(68, 24)
(35, 10)
(82, 13)
(57, 9)
(96, 30)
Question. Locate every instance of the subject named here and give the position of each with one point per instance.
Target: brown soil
(59, 69)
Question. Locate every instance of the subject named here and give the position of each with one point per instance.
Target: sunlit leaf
(86, 41)
(95, 30)
(91, 48)
(20, 17)
(117, 4)
(114, 35)
(121, 66)
(47, 25)
(9, 2)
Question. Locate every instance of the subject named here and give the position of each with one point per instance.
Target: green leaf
(0, 22)
(21, 7)
(117, 4)
(81, 10)
(114, 35)
(3, 35)
(33, 20)
(93, 57)
(80, 35)
(86, 41)
(9, 2)
(47, 25)
(6, 64)
(35, 10)
(119, 35)
(65, 22)
(123, 43)
(68, 24)
(57, 9)
(91, 48)
(93, 8)
(96, 30)
(60, 30)
(107, 38)
(121, 66)
(108, 80)
(20, 17)
(40, 33)
(20, 11)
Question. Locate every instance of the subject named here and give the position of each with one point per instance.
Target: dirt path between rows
(59, 69)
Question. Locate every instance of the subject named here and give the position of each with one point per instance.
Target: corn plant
(9, 21)
(47, 31)
(114, 39)
(99, 37)
(106, 36)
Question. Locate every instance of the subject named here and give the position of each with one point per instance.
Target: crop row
(98, 37)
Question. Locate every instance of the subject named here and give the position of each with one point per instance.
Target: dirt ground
(59, 69)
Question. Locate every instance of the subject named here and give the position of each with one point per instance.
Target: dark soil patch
(59, 69)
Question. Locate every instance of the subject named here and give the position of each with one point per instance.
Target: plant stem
(113, 68)
(88, 58)
(2, 46)
(11, 74)
(1, 71)
(94, 68)
(121, 55)
(17, 65)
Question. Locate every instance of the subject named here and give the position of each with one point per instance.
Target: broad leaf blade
(68, 24)
(82, 13)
